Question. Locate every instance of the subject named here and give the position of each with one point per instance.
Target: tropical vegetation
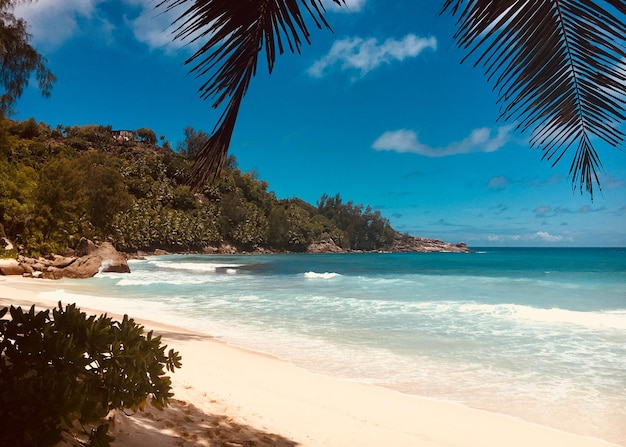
(63, 183)
(18, 59)
(61, 375)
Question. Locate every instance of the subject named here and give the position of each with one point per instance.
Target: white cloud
(498, 183)
(154, 27)
(365, 55)
(586, 209)
(350, 6)
(609, 182)
(547, 237)
(479, 140)
(541, 211)
(526, 238)
(503, 238)
(52, 22)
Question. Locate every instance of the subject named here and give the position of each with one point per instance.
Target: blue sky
(380, 110)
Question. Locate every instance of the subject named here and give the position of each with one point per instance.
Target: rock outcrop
(88, 260)
(405, 243)
(402, 243)
(325, 245)
(10, 267)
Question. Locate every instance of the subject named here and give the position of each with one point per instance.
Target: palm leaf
(236, 31)
(559, 68)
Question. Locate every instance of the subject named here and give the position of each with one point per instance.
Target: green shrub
(26, 129)
(68, 371)
(146, 135)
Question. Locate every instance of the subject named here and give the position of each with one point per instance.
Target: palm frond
(236, 31)
(559, 68)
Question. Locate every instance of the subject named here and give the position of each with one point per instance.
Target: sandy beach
(229, 396)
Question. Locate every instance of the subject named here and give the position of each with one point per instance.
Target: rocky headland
(85, 261)
(89, 259)
(402, 243)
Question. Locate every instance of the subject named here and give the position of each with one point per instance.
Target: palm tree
(236, 31)
(559, 66)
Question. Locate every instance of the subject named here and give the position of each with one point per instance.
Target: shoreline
(241, 395)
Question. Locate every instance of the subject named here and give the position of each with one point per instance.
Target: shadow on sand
(184, 425)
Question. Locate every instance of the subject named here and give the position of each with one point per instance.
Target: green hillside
(60, 184)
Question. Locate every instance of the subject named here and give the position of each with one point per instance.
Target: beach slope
(229, 396)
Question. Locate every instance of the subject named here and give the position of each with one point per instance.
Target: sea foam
(196, 267)
(325, 275)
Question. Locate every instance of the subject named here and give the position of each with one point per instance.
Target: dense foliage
(64, 373)
(60, 184)
(18, 59)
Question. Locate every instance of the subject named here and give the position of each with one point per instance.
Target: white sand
(229, 396)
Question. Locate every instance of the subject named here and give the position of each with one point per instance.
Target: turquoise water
(538, 334)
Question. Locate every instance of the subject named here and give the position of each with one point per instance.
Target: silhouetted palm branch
(559, 67)
(236, 31)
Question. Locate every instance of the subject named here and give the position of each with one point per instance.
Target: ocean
(534, 333)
